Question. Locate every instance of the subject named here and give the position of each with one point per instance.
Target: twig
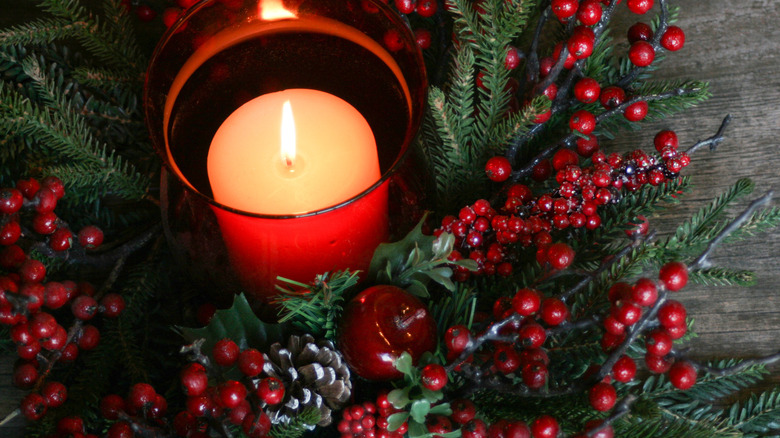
(713, 141)
(622, 408)
(701, 262)
(626, 80)
(720, 372)
(11, 415)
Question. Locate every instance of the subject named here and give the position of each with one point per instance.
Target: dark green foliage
(298, 426)
(758, 416)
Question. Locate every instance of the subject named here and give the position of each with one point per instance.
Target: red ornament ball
(380, 324)
(498, 169)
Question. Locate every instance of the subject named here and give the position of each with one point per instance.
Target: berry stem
(622, 408)
(11, 415)
(727, 371)
(701, 262)
(663, 23)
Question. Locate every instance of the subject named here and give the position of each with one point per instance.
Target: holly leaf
(238, 323)
(390, 258)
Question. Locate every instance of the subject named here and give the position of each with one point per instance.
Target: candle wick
(288, 160)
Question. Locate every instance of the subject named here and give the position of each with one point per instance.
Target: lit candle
(292, 152)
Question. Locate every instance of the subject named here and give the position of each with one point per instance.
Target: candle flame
(288, 135)
(271, 10)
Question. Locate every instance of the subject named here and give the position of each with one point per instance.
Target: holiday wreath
(530, 300)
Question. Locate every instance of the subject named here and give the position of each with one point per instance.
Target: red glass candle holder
(222, 54)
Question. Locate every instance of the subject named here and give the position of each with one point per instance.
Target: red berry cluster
(482, 232)
(464, 417)
(370, 420)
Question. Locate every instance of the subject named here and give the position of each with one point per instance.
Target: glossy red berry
(84, 307)
(624, 369)
(145, 13)
(231, 393)
(644, 292)
(641, 54)
(141, 395)
(564, 157)
(250, 362)
(111, 406)
(256, 426)
(589, 12)
(463, 410)
(674, 275)
(89, 338)
(33, 406)
(657, 364)
(498, 169)
(673, 39)
(45, 200)
(554, 311)
(570, 59)
(581, 42)
(475, 428)
(564, 9)
(438, 424)
(560, 255)
(665, 139)
(682, 375)
(426, 8)
(587, 90)
(639, 32)
(25, 375)
(639, 6)
(32, 271)
(545, 426)
(602, 396)
(672, 314)
(28, 187)
(112, 305)
(658, 343)
(225, 352)
(194, 379)
(61, 239)
(636, 111)
(11, 201)
(55, 185)
(526, 302)
(627, 312)
(271, 390)
(612, 97)
(42, 325)
(433, 377)
(10, 233)
(55, 393)
(405, 6)
(535, 375)
(506, 359)
(120, 429)
(90, 237)
(512, 60)
(423, 38)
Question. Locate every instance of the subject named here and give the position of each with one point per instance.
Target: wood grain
(736, 47)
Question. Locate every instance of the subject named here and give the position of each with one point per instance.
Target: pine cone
(314, 375)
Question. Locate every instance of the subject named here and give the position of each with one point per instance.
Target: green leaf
(442, 409)
(238, 323)
(399, 398)
(419, 410)
(404, 363)
(432, 396)
(389, 258)
(396, 420)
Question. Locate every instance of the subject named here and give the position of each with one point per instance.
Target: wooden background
(736, 47)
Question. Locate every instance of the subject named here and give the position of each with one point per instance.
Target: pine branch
(757, 416)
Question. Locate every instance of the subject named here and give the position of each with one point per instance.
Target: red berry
(194, 379)
(583, 121)
(506, 359)
(433, 377)
(545, 427)
(639, 6)
(554, 311)
(532, 335)
(564, 9)
(145, 13)
(604, 432)
(61, 239)
(673, 39)
(141, 395)
(32, 271)
(423, 38)
(11, 201)
(28, 187)
(42, 325)
(542, 170)
(112, 305)
(55, 295)
(682, 375)
(90, 237)
(665, 139)
(90, 337)
(10, 233)
(256, 426)
(45, 223)
(55, 393)
(45, 200)
(34, 294)
(563, 158)
(672, 314)
(570, 59)
(602, 396)
(674, 275)
(25, 375)
(526, 302)
(438, 424)
(111, 405)
(426, 8)
(70, 426)
(84, 307)
(612, 96)
(475, 428)
(587, 90)
(393, 40)
(405, 6)
(624, 369)
(535, 375)
(658, 343)
(271, 390)
(560, 255)
(636, 111)
(33, 406)
(55, 185)
(498, 169)
(120, 429)
(626, 312)
(639, 32)
(250, 362)
(644, 292)
(170, 15)
(463, 410)
(457, 338)
(581, 42)
(512, 60)
(657, 364)
(641, 54)
(225, 352)
(231, 393)
(589, 12)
